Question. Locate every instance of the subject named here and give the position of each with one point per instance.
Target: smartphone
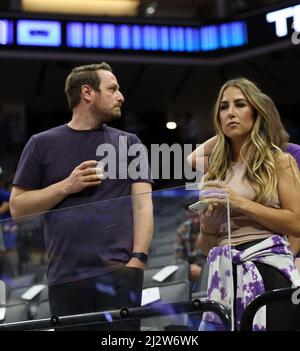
(199, 207)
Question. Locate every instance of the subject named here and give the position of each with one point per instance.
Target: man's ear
(86, 92)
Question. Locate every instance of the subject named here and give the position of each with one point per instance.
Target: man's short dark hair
(83, 75)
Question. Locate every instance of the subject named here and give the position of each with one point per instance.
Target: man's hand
(85, 175)
(25, 202)
(135, 263)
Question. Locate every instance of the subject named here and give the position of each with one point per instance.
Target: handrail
(262, 300)
(192, 307)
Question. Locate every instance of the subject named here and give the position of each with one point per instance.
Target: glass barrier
(74, 261)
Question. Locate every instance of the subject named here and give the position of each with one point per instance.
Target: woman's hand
(213, 218)
(216, 193)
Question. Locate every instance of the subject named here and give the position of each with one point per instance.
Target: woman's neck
(236, 147)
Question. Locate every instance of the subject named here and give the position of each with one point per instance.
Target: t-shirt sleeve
(294, 150)
(138, 161)
(296, 155)
(29, 170)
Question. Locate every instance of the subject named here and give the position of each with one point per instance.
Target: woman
(279, 137)
(263, 187)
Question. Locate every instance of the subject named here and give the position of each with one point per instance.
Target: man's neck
(83, 122)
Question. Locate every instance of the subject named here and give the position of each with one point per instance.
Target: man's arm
(25, 202)
(142, 220)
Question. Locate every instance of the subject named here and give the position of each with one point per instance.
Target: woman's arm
(285, 220)
(198, 159)
(206, 243)
(294, 244)
(210, 223)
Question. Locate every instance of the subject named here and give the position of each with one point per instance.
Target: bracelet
(204, 233)
(140, 256)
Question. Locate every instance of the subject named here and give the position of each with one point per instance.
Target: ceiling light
(83, 7)
(151, 9)
(171, 125)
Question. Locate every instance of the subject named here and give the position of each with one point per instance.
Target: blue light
(136, 37)
(189, 42)
(108, 36)
(225, 35)
(176, 39)
(197, 41)
(38, 33)
(192, 39)
(164, 38)
(155, 37)
(91, 35)
(124, 31)
(180, 39)
(174, 45)
(75, 38)
(238, 33)
(209, 38)
(6, 32)
(150, 38)
(96, 35)
(233, 34)
(88, 34)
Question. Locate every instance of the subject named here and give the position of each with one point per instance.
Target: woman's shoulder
(283, 161)
(294, 150)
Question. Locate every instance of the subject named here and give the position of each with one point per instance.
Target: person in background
(8, 252)
(4, 196)
(185, 245)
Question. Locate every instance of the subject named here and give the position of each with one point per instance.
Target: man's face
(108, 101)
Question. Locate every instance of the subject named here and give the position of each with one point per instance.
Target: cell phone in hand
(199, 207)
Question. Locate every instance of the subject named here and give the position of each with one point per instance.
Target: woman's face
(236, 114)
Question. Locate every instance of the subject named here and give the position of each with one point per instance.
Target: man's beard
(106, 117)
(111, 117)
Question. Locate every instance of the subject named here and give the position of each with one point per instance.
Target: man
(97, 251)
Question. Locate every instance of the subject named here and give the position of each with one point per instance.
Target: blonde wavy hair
(262, 146)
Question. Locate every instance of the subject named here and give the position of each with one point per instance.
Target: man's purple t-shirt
(88, 232)
(294, 150)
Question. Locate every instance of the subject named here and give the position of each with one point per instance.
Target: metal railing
(277, 295)
(193, 307)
